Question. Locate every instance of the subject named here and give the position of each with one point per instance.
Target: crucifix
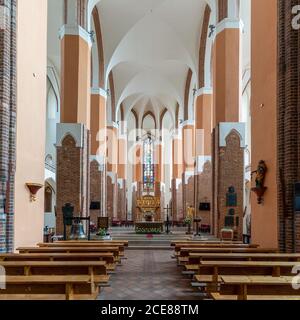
(168, 220)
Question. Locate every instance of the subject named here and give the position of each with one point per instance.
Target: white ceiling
(149, 45)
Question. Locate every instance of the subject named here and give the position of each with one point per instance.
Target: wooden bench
(256, 287)
(273, 268)
(91, 268)
(178, 242)
(178, 247)
(59, 244)
(195, 258)
(108, 257)
(51, 287)
(114, 250)
(184, 252)
(122, 242)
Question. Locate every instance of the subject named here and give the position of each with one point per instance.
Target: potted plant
(188, 222)
(103, 235)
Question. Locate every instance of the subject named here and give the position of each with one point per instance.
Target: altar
(148, 222)
(149, 227)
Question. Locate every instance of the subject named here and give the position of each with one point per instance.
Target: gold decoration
(33, 189)
(148, 203)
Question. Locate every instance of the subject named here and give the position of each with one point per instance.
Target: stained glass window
(148, 164)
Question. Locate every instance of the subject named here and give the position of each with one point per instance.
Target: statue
(189, 218)
(260, 188)
(190, 212)
(260, 174)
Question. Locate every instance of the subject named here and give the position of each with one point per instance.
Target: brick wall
(8, 88)
(228, 171)
(122, 203)
(95, 189)
(288, 126)
(188, 193)
(204, 191)
(71, 186)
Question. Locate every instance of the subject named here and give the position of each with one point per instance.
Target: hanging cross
(168, 220)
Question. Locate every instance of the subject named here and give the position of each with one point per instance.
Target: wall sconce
(33, 189)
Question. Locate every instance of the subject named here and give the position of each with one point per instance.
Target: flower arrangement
(102, 233)
(187, 220)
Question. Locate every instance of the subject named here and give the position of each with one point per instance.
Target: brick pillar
(188, 175)
(228, 165)
(228, 134)
(112, 171)
(203, 120)
(8, 88)
(98, 151)
(285, 36)
(159, 178)
(72, 170)
(73, 135)
(137, 186)
(177, 178)
(122, 174)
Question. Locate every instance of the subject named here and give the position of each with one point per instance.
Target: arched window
(148, 164)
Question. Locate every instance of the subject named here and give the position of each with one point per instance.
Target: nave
(149, 275)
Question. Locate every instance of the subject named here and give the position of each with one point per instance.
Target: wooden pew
(256, 288)
(51, 287)
(178, 247)
(123, 242)
(113, 250)
(178, 242)
(181, 247)
(59, 244)
(220, 268)
(185, 252)
(108, 257)
(193, 260)
(92, 268)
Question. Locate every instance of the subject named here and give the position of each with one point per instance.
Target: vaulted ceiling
(149, 46)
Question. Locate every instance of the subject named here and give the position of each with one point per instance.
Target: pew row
(256, 288)
(51, 287)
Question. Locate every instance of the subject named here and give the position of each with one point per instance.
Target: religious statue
(260, 174)
(260, 188)
(190, 212)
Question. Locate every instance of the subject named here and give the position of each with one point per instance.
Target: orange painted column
(98, 123)
(177, 157)
(75, 75)
(188, 152)
(122, 175)
(159, 178)
(203, 124)
(264, 218)
(112, 170)
(137, 164)
(228, 134)
(177, 208)
(227, 72)
(73, 135)
(98, 152)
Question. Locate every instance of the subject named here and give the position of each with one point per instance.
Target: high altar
(148, 221)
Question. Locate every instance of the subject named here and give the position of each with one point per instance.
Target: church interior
(149, 149)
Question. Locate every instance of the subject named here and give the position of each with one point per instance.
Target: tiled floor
(149, 275)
